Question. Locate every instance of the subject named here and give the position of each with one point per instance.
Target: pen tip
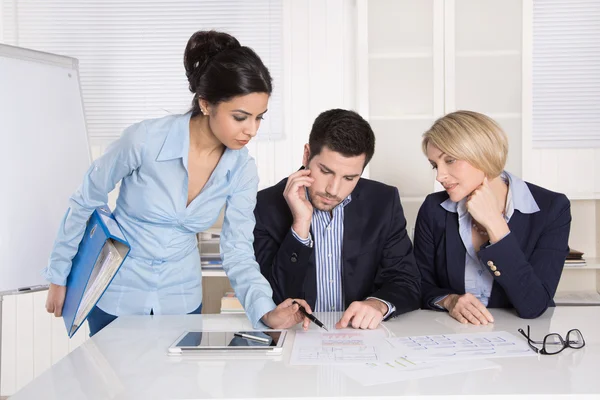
(326, 329)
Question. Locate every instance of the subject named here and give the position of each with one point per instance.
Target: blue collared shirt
(328, 230)
(478, 279)
(162, 272)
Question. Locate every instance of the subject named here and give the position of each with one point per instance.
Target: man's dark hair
(344, 132)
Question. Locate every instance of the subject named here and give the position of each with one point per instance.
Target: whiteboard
(44, 154)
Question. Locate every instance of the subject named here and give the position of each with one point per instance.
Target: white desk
(127, 360)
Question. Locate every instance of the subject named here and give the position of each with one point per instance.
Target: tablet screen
(230, 339)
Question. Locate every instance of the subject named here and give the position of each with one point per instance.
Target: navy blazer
(377, 257)
(530, 258)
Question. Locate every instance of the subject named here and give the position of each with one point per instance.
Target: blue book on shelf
(100, 255)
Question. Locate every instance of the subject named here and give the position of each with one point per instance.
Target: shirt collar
(519, 197)
(177, 145)
(345, 202)
(177, 142)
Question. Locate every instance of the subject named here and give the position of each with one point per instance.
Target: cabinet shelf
(207, 273)
(576, 298)
(591, 263)
(209, 241)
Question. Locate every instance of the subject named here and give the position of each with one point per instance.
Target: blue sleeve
(237, 252)
(397, 279)
(120, 160)
(425, 249)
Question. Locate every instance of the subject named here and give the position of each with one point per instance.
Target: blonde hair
(470, 136)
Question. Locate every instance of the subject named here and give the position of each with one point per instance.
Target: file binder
(101, 253)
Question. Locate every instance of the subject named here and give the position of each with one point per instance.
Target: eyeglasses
(553, 343)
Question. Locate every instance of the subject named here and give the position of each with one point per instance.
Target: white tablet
(252, 342)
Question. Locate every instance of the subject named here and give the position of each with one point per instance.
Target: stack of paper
(209, 243)
(211, 261)
(402, 369)
(230, 304)
(104, 269)
(575, 259)
(462, 346)
(375, 357)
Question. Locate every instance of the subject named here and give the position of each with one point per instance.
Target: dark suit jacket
(530, 259)
(377, 257)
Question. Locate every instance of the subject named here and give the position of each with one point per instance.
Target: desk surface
(128, 360)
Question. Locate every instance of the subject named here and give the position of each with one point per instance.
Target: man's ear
(306, 155)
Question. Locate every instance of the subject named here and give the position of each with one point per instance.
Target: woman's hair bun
(201, 48)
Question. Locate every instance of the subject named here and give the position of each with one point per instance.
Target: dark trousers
(98, 319)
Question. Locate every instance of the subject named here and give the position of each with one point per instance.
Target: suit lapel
(310, 283)
(351, 242)
(455, 253)
(518, 225)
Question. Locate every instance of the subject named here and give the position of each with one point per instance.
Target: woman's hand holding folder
(56, 299)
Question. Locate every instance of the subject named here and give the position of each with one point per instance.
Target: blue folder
(103, 244)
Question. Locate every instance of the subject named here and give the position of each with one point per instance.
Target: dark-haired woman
(176, 174)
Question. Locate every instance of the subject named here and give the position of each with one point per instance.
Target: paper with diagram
(403, 369)
(346, 346)
(454, 347)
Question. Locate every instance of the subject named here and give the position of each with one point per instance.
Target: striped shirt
(328, 231)
(327, 228)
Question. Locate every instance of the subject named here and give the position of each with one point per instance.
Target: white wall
(319, 74)
(575, 172)
(1, 19)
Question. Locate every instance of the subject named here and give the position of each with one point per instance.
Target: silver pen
(252, 337)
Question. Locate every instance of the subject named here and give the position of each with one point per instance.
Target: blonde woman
(490, 240)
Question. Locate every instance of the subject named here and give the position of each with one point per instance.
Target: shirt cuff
(435, 302)
(390, 306)
(52, 276)
(308, 242)
(258, 309)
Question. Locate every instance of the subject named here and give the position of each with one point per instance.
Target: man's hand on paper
(366, 314)
(56, 299)
(466, 308)
(287, 314)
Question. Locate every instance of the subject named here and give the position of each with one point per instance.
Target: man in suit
(333, 238)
